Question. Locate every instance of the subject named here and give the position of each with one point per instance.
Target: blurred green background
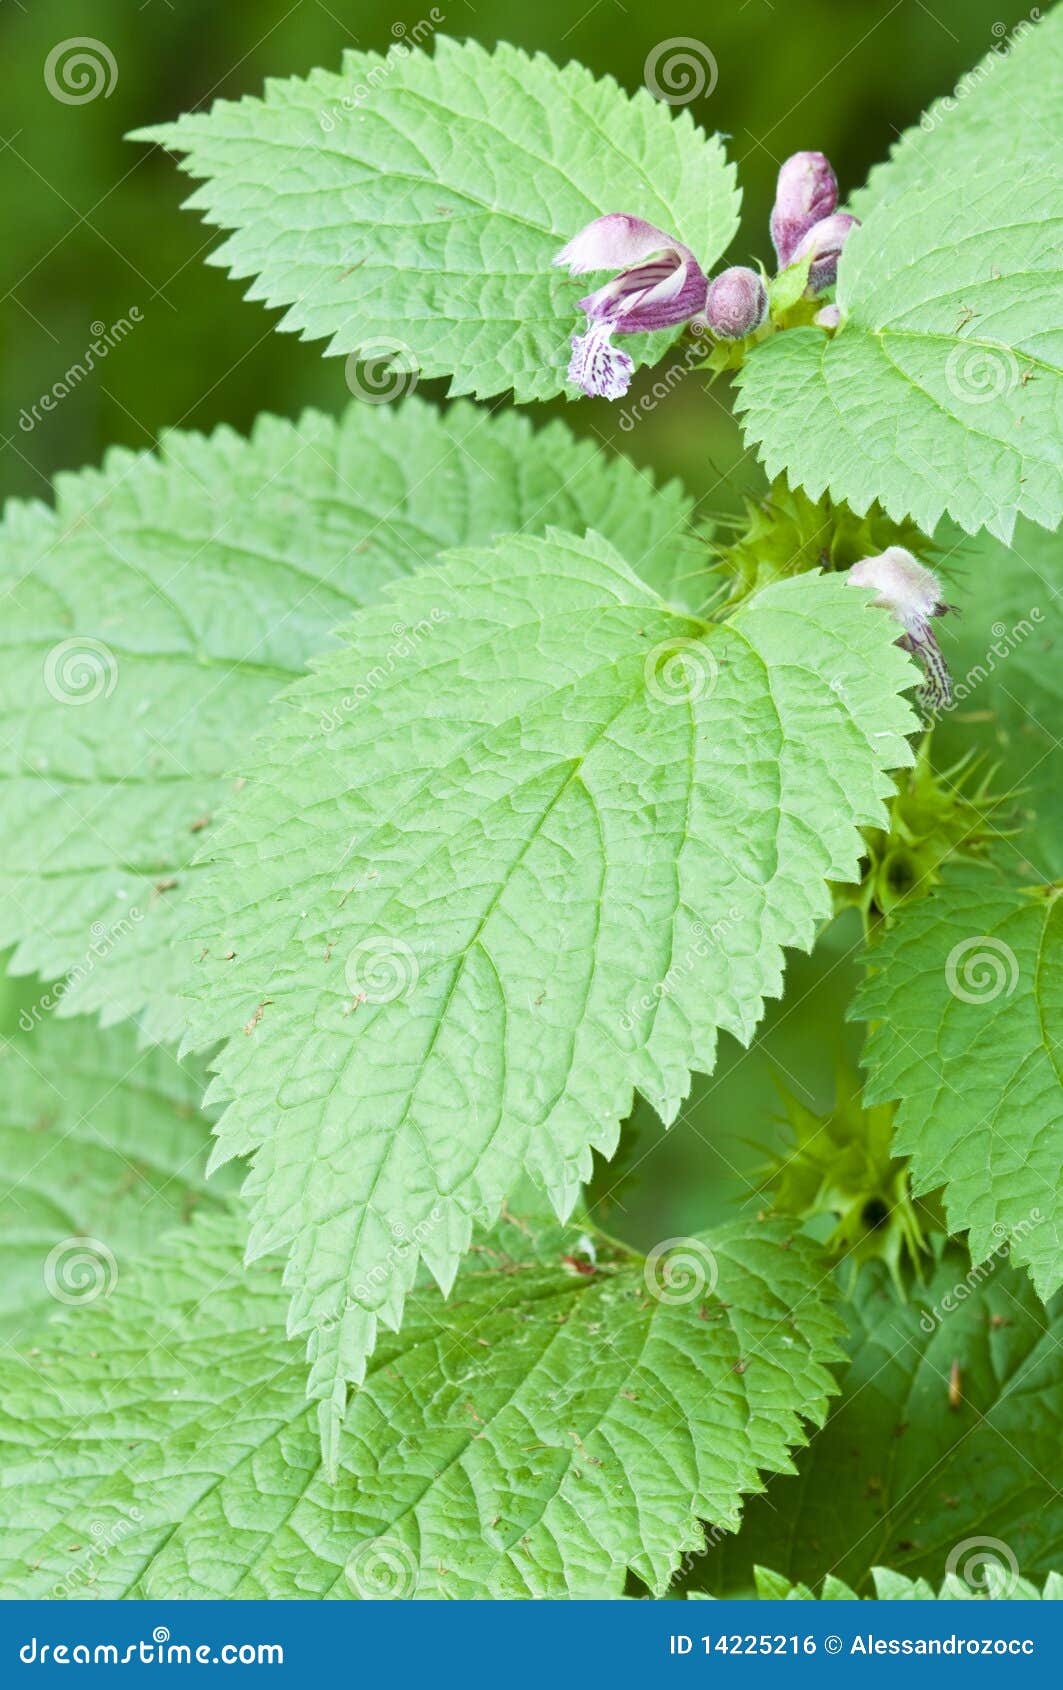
(93, 228)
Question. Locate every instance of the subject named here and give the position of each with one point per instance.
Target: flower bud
(827, 317)
(806, 193)
(912, 595)
(736, 303)
(825, 241)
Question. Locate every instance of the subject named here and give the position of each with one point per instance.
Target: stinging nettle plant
(440, 786)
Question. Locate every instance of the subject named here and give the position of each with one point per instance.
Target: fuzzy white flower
(912, 595)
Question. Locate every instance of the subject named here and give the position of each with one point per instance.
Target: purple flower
(824, 241)
(807, 191)
(660, 284)
(912, 595)
(736, 303)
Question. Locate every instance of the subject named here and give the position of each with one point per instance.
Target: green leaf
(1002, 110)
(966, 997)
(1000, 1586)
(547, 1428)
(898, 1477)
(149, 621)
(416, 204)
(785, 289)
(102, 1145)
(769, 1586)
(1006, 655)
(941, 391)
(472, 898)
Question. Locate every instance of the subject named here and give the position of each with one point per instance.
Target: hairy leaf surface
(101, 1145)
(899, 1478)
(966, 1001)
(545, 1429)
(471, 899)
(150, 619)
(416, 203)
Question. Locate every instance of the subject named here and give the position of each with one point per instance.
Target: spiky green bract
(841, 1165)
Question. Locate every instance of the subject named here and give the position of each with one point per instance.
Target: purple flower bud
(827, 317)
(807, 191)
(825, 241)
(736, 303)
